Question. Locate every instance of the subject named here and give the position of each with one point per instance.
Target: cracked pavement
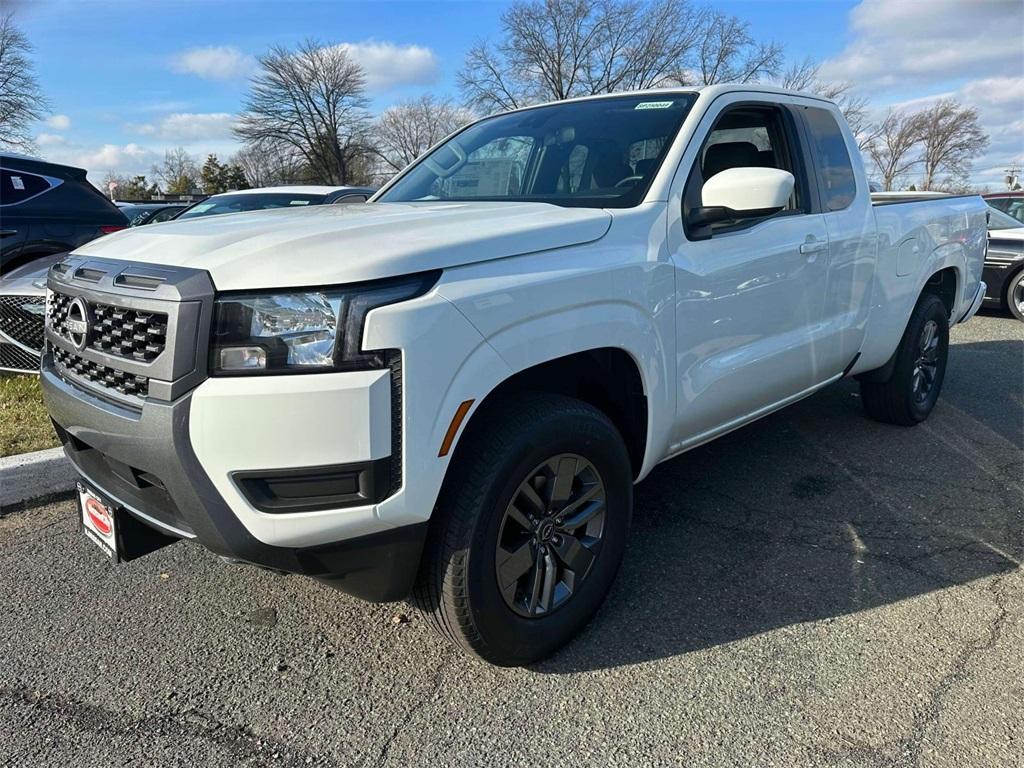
(815, 589)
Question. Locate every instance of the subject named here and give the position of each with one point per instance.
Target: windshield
(214, 206)
(600, 153)
(999, 220)
(1011, 206)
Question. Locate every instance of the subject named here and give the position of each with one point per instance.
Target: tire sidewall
(515, 638)
(1008, 295)
(931, 308)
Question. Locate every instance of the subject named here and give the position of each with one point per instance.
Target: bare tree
(178, 173)
(951, 138)
(803, 76)
(265, 164)
(407, 130)
(643, 45)
(558, 49)
(729, 54)
(21, 102)
(311, 99)
(893, 151)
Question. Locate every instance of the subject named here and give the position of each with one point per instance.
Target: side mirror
(738, 193)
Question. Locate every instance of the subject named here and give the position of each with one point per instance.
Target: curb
(34, 477)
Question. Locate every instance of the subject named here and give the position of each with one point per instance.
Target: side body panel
(915, 240)
(616, 292)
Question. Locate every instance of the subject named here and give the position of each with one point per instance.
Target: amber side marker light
(453, 428)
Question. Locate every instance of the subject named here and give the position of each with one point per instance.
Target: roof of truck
(712, 91)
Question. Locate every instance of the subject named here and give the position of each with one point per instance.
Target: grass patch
(24, 423)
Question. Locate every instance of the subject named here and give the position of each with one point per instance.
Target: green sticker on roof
(653, 105)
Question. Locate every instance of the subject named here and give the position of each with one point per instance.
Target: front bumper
(144, 460)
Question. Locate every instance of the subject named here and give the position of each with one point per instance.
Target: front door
(751, 298)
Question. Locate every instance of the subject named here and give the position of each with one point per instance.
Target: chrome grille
(137, 328)
(21, 319)
(118, 331)
(105, 376)
(13, 357)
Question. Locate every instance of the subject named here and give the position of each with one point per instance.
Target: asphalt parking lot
(816, 589)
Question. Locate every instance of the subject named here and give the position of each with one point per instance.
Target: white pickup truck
(451, 390)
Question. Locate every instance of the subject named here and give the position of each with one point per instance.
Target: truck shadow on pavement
(817, 512)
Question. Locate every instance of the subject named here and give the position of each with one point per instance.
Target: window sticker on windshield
(17, 183)
(653, 105)
(298, 202)
(202, 207)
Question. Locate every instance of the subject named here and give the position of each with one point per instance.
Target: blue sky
(126, 80)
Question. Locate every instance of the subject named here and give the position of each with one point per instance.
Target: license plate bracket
(119, 535)
(97, 519)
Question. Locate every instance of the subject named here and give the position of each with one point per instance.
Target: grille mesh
(111, 378)
(19, 322)
(14, 357)
(120, 331)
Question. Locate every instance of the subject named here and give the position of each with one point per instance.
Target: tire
(534, 437)
(912, 390)
(1014, 295)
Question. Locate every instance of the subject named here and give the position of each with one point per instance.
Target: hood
(1016, 235)
(329, 244)
(30, 278)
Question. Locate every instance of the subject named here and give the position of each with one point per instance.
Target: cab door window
(744, 136)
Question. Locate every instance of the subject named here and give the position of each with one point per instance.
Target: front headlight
(303, 330)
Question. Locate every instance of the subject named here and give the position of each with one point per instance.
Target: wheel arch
(608, 378)
(946, 283)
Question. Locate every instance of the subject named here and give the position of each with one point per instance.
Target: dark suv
(45, 210)
(48, 208)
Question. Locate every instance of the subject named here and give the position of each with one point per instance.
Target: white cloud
(215, 62)
(125, 159)
(900, 42)
(183, 127)
(388, 65)
(909, 54)
(50, 139)
(59, 122)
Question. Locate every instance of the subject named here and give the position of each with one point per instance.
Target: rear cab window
(836, 181)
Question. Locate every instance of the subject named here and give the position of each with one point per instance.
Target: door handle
(813, 246)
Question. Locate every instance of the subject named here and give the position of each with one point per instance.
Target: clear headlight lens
(310, 330)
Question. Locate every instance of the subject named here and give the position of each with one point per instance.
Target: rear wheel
(530, 529)
(913, 388)
(1015, 295)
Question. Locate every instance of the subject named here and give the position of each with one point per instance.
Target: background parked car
(22, 309)
(1011, 203)
(150, 213)
(276, 197)
(1004, 264)
(47, 208)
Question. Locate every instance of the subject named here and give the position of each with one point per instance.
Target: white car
(269, 198)
(452, 390)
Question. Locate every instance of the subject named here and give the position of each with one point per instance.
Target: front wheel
(1015, 295)
(913, 388)
(529, 530)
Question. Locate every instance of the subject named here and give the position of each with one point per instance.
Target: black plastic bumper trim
(308, 489)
